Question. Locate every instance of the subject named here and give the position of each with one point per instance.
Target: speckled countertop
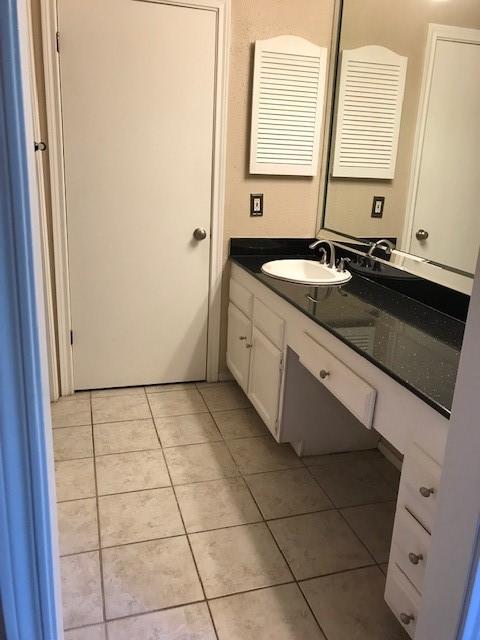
(413, 343)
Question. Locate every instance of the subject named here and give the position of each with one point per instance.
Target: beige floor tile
(224, 396)
(138, 516)
(120, 437)
(120, 408)
(175, 386)
(121, 391)
(287, 493)
(347, 456)
(351, 605)
(215, 504)
(81, 589)
(149, 575)
(176, 403)
(277, 613)
(254, 455)
(189, 429)
(95, 632)
(373, 524)
(199, 462)
(319, 543)
(72, 442)
(191, 622)
(75, 479)
(239, 423)
(238, 559)
(133, 471)
(77, 526)
(388, 471)
(71, 411)
(353, 483)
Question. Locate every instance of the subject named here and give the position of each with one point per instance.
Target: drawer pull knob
(406, 618)
(324, 374)
(242, 337)
(248, 345)
(426, 492)
(415, 557)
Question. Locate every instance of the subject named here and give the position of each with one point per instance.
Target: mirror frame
(427, 269)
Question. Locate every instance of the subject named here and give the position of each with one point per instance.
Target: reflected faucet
(315, 244)
(384, 244)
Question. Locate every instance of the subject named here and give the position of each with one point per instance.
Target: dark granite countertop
(413, 343)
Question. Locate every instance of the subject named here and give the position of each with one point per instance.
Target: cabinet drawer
(241, 297)
(352, 391)
(402, 598)
(410, 547)
(419, 485)
(269, 323)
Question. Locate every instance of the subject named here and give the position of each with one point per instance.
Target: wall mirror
(403, 157)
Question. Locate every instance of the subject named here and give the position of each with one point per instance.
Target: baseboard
(390, 453)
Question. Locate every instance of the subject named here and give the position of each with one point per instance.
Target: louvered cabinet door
(287, 106)
(369, 109)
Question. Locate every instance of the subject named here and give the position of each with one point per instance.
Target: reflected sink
(309, 272)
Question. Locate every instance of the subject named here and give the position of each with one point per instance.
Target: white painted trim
(57, 179)
(57, 185)
(47, 273)
(436, 33)
(27, 478)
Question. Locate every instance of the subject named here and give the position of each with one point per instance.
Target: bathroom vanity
(332, 368)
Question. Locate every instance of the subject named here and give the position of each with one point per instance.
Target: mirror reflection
(403, 162)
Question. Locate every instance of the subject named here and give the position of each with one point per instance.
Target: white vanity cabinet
(265, 379)
(238, 345)
(255, 352)
(262, 327)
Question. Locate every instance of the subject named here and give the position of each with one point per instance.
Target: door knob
(200, 233)
(426, 492)
(421, 235)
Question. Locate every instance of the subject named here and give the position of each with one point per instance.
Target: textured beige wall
(402, 27)
(290, 203)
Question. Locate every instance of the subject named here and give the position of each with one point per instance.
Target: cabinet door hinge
(57, 41)
(281, 367)
(71, 337)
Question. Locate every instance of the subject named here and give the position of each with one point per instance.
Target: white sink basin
(307, 272)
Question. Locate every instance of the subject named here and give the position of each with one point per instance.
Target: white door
(137, 83)
(265, 379)
(238, 345)
(448, 191)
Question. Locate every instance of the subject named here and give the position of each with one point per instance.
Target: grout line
(185, 530)
(100, 558)
(284, 557)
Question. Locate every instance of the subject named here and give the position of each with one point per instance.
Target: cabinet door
(238, 345)
(265, 379)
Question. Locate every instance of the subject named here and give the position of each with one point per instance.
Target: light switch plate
(256, 204)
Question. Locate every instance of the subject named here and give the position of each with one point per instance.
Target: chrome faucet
(315, 244)
(384, 244)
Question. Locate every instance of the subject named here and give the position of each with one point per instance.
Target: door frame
(30, 576)
(436, 33)
(42, 203)
(57, 180)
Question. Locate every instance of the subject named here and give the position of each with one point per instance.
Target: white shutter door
(287, 106)
(369, 110)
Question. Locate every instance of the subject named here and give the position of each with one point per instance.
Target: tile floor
(180, 518)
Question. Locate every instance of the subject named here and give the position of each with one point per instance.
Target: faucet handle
(342, 263)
